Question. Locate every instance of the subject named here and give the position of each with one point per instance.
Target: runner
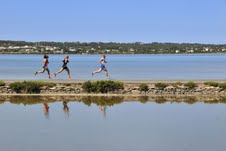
(102, 66)
(64, 67)
(66, 108)
(45, 66)
(46, 110)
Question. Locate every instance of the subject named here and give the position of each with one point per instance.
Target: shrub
(222, 85)
(210, 83)
(107, 86)
(2, 83)
(87, 86)
(161, 85)
(177, 84)
(42, 83)
(143, 87)
(16, 86)
(26, 87)
(190, 84)
(29, 86)
(102, 86)
(67, 84)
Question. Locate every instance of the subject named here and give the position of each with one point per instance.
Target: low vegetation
(190, 85)
(2, 83)
(102, 86)
(161, 85)
(143, 88)
(177, 84)
(29, 86)
(211, 83)
(42, 83)
(222, 85)
(87, 87)
(105, 86)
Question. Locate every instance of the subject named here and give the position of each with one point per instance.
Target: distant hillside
(110, 47)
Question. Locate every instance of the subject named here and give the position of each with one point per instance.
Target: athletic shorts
(64, 67)
(102, 66)
(45, 67)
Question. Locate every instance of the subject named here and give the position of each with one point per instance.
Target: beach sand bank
(131, 88)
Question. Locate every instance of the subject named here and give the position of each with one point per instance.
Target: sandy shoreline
(110, 95)
(130, 88)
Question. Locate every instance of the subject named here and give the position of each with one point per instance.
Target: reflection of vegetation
(143, 99)
(102, 101)
(160, 100)
(144, 87)
(191, 100)
(190, 85)
(27, 100)
(212, 102)
(29, 86)
(102, 86)
(215, 101)
(107, 101)
(2, 101)
(88, 100)
(30, 100)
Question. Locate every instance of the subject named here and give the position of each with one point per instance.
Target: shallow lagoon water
(121, 67)
(101, 125)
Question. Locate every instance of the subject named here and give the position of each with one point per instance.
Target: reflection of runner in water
(64, 67)
(46, 110)
(103, 109)
(102, 66)
(45, 66)
(66, 108)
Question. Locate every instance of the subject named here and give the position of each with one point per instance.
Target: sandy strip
(98, 94)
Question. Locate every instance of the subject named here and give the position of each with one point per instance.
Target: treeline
(120, 48)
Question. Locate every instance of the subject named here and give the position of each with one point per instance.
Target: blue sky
(199, 21)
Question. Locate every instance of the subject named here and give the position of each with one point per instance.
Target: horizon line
(116, 42)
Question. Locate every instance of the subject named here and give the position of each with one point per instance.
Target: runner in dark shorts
(45, 66)
(64, 67)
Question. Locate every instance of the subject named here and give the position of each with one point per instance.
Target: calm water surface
(121, 67)
(128, 126)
